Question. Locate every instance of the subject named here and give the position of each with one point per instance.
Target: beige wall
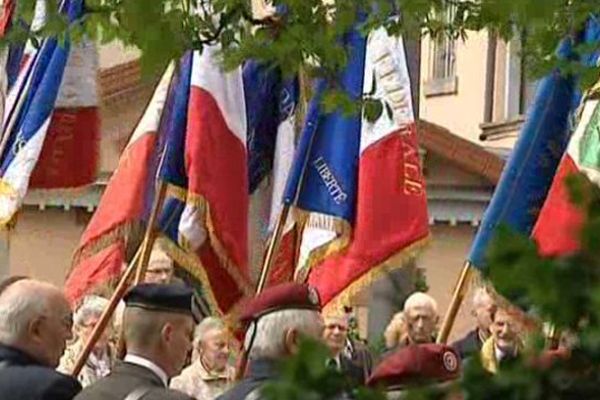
(442, 262)
(119, 118)
(42, 243)
(462, 112)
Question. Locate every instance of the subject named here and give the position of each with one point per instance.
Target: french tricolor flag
(51, 121)
(121, 214)
(356, 186)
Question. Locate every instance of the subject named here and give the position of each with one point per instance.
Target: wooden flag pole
(150, 235)
(106, 314)
(264, 275)
(460, 290)
(272, 249)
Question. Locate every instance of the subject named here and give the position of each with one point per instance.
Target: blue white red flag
(533, 163)
(52, 123)
(218, 135)
(123, 210)
(354, 219)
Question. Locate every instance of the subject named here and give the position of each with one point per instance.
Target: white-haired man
(484, 307)
(209, 375)
(99, 363)
(35, 324)
(421, 316)
(274, 322)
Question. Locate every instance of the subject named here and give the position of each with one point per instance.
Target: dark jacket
(260, 371)
(23, 378)
(126, 378)
(468, 345)
(356, 363)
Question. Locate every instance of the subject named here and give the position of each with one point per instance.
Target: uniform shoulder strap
(138, 393)
(253, 395)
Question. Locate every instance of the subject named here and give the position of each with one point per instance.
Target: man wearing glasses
(35, 324)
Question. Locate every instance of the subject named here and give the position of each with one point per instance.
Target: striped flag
(217, 134)
(125, 204)
(533, 163)
(355, 220)
(53, 121)
(558, 226)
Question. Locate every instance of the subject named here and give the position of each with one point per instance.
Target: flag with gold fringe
(356, 187)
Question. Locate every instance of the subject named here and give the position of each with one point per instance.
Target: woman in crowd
(210, 374)
(99, 363)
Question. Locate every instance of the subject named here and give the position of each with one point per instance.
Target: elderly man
(35, 324)
(99, 363)
(350, 358)
(505, 342)
(275, 321)
(209, 375)
(421, 318)
(414, 366)
(484, 306)
(158, 325)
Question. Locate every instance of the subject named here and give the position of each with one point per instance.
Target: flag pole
(150, 235)
(460, 290)
(106, 314)
(272, 249)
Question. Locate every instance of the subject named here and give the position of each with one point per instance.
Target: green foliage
(307, 376)
(306, 37)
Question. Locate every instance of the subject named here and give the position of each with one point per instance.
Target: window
(520, 89)
(442, 61)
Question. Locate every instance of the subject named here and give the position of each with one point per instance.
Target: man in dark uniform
(158, 325)
(416, 365)
(35, 324)
(273, 322)
(350, 358)
(484, 307)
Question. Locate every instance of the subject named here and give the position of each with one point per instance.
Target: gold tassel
(393, 263)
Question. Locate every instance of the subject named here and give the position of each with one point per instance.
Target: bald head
(420, 311)
(35, 317)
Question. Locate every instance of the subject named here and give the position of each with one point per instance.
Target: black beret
(172, 297)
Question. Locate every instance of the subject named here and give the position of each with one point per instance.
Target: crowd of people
(171, 353)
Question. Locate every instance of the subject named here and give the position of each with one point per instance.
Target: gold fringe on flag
(339, 226)
(395, 262)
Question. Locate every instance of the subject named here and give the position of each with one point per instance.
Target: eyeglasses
(339, 327)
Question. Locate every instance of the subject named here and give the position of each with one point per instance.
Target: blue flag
(531, 167)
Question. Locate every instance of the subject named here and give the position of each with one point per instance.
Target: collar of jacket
(263, 368)
(14, 356)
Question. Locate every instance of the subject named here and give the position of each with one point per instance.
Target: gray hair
(18, 308)
(268, 331)
(480, 295)
(420, 299)
(92, 306)
(206, 325)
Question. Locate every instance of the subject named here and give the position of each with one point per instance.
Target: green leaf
(372, 109)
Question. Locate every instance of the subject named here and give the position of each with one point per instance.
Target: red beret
(287, 296)
(416, 364)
